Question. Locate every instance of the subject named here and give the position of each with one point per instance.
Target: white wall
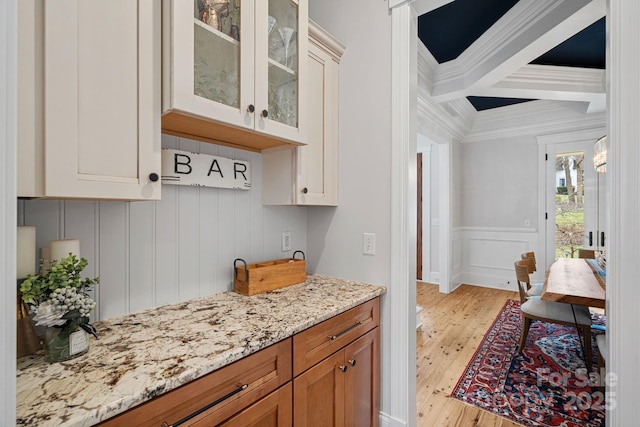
(154, 253)
(335, 234)
(499, 183)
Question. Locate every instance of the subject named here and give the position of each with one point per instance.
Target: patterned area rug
(546, 385)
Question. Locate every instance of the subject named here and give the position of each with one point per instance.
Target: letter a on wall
(203, 170)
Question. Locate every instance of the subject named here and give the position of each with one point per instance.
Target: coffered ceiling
(493, 53)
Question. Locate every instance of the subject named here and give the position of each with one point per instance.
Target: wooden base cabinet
(228, 392)
(326, 375)
(272, 411)
(343, 389)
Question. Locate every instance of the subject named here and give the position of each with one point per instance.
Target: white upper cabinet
(308, 175)
(234, 72)
(89, 99)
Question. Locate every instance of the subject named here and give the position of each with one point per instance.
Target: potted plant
(59, 301)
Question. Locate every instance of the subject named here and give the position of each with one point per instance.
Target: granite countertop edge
(145, 354)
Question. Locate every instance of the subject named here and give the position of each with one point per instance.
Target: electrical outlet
(286, 241)
(369, 243)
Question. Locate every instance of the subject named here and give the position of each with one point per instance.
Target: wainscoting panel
(149, 254)
(488, 255)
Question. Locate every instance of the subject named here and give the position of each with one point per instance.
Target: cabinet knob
(344, 368)
(353, 362)
(251, 108)
(265, 113)
(305, 190)
(153, 177)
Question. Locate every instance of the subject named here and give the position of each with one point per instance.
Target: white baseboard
(388, 421)
(418, 317)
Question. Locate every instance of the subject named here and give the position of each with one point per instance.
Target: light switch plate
(369, 243)
(286, 241)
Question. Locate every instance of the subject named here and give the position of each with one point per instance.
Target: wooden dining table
(575, 281)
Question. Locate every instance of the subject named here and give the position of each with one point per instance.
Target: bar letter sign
(202, 170)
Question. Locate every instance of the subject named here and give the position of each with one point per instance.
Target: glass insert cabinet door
(240, 62)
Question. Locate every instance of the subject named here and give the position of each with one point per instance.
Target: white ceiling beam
(420, 6)
(525, 32)
(424, 6)
(552, 83)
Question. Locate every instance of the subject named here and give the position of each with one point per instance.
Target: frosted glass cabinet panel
(234, 71)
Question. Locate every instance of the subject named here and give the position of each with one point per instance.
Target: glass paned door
(217, 32)
(573, 200)
(283, 39)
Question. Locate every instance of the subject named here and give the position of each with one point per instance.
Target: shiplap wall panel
(47, 216)
(142, 247)
(149, 254)
(189, 242)
(257, 223)
(114, 280)
(80, 222)
(208, 225)
(227, 236)
(166, 256)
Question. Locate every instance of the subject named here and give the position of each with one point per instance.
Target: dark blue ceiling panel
(585, 49)
(448, 30)
(487, 102)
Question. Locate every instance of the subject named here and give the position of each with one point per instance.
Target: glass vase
(65, 343)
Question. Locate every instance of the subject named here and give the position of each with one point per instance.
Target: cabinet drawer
(314, 344)
(231, 388)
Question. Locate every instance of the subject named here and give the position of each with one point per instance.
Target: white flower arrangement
(58, 298)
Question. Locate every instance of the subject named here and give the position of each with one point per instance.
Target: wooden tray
(266, 276)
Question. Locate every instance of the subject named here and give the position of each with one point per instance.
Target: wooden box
(266, 276)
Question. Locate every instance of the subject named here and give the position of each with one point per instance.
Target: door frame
(544, 141)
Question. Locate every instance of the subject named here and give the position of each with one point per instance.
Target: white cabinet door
(233, 73)
(308, 175)
(101, 79)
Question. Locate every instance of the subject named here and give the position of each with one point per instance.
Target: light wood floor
(452, 327)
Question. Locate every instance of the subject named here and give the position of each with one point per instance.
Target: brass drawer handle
(339, 334)
(209, 406)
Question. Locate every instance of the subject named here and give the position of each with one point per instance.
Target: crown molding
(325, 41)
(532, 118)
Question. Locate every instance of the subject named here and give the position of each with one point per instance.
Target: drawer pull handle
(339, 334)
(209, 406)
(353, 362)
(344, 368)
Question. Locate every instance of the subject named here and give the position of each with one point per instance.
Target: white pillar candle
(59, 249)
(25, 251)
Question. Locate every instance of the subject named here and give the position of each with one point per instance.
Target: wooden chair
(587, 253)
(534, 308)
(534, 289)
(531, 255)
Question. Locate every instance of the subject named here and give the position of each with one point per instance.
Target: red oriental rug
(546, 385)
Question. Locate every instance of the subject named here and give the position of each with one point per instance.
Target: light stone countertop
(142, 355)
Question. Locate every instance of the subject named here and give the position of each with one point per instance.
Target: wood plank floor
(452, 327)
